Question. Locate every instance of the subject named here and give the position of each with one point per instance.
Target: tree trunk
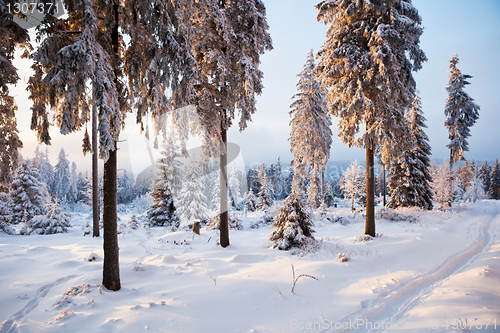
(224, 227)
(111, 268)
(196, 227)
(370, 194)
(383, 184)
(95, 175)
(323, 183)
(450, 181)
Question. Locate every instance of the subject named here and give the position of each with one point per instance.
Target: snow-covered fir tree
(322, 208)
(227, 47)
(171, 167)
(294, 226)
(13, 38)
(310, 133)
(234, 187)
(474, 189)
(461, 181)
(353, 184)
(441, 176)
(495, 181)
(253, 181)
(27, 194)
(288, 182)
(5, 213)
(366, 64)
(62, 175)
(162, 212)
(55, 221)
(279, 181)
(410, 179)
(126, 191)
(266, 191)
(211, 188)
(328, 198)
(72, 195)
(314, 190)
(250, 201)
(484, 174)
(461, 112)
(85, 66)
(191, 202)
(46, 171)
(84, 187)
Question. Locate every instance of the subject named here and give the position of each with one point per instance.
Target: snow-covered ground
(430, 273)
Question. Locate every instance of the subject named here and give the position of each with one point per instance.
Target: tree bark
(95, 175)
(323, 183)
(196, 227)
(450, 180)
(111, 268)
(224, 227)
(370, 193)
(383, 184)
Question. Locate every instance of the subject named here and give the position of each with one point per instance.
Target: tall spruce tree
(72, 195)
(366, 62)
(484, 174)
(495, 181)
(84, 187)
(474, 189)
(441, 176)
(171, 167)
(5, 214)
(230, 36)
(12, 37)
(80, 65)
(279, 181)
(126, 191)
(314, 197)
(310, 133)
(410, 179)
(461, 112)
(191, 201)
(266, 190)
(353, 183)
(26, 193)
(250, 201)
(62, 175)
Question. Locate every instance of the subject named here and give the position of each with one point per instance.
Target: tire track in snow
(10, 326)
(389, 307)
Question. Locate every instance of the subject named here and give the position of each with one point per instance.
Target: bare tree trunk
(450, 181)
(196, 227)
(383, 184)
(224, 227)
(111, 268)
(370, 194)
(323, 183)
(95, 175)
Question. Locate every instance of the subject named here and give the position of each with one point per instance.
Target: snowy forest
(398, 240)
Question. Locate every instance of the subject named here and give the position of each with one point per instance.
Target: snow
(435, 268)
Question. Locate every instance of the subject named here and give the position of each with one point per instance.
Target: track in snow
(10, 326)
(390, 307)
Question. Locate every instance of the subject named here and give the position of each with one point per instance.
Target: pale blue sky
(469, 28)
